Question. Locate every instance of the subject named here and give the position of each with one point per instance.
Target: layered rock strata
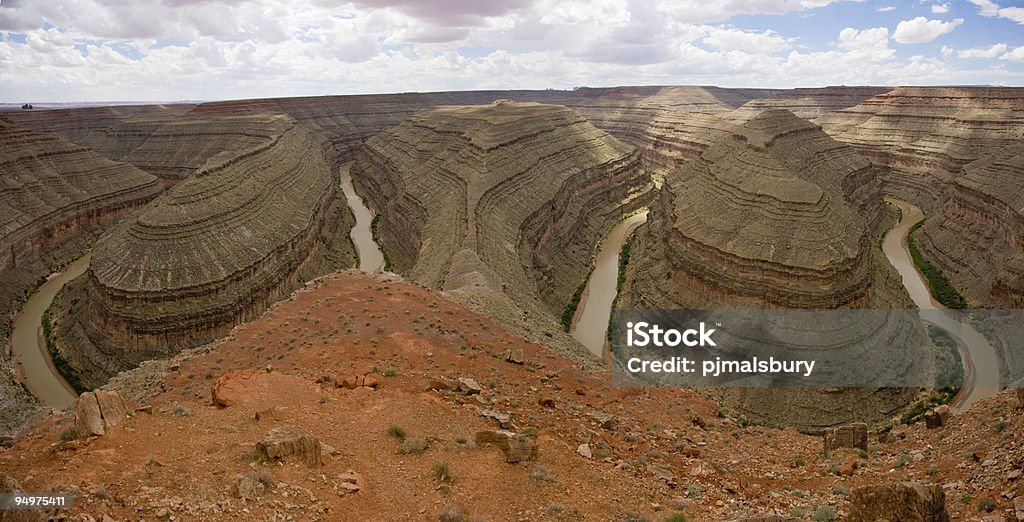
(212, 252)
(955, 153)
(55, 197)
(779, 216)
(499, 204)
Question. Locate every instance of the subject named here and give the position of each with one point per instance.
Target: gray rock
(288, 441)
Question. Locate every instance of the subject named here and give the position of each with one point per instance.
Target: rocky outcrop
(290, 441)
(52, 190)
(722, 230)
(910, 502)
(55, 198)
(778, 216)
(955, 153)
(807, 103)
(214, 251)
(499, 204)
(97, 412)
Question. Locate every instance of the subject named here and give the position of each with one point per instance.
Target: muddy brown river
(981, 364)
(30, 352)
(595, 309)
(371, 259)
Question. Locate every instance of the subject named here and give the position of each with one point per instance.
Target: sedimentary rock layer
(955, 153)
(54, 197)
(213, 251)
(780, 215)
(51, 189)
(507, 198)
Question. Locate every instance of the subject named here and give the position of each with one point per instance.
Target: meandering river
(981, 364)
(29, 345)
(371, 259)
(590, 327)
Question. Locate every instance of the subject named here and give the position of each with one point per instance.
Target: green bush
(940, 287)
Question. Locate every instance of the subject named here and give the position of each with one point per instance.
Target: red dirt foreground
(389, 386)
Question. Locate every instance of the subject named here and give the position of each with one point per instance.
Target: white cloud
(986, 7)
(991, 9)
(885, 8)
(1016, 55)
(923, 30)
(995, 51)
(940, 8)
(876, 39)
(739, 40)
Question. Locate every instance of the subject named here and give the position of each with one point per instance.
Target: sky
(170, 50)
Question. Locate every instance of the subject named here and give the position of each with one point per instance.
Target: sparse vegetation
(939, 286)
(413, 446)
(397, 432)
(570, 309)
(825, 513)
(442, 472)
(71, 433)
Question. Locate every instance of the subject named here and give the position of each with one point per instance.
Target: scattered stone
(904, 502)
(112, 407)
(372, 380)
(267, 414)
(350, 482)
(663, 473)
(88, 419)
(288, 441)
(514, 356)
(937, 418)
(691, 452)
(852, 436)
(147, 409)
(349, 382)
(546, 402)
(229, 388)
(606, 421)
(504, 420)
(247, 488)
(517, 448)
(699, 422)
(469, 386)
(442, 385)
(848, 468)
(584, 451)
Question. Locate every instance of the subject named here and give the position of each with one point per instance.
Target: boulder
(247, 488)
(229, 388)
(901, 502)
(112, 407)
(514, 356)
(937, 418)
(349, 382)
(584, 451)
(9, 484)
(852, 436)
(287, 441)
(469, 386)
(517, 448)
(503, 420)
(88, 419)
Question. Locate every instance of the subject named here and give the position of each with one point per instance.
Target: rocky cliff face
(55, 197)
(724, 227)
(212, 252)
(501, 204)
(780, 215)
(951, 151)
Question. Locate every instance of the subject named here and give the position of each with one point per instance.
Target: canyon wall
(953, 151)
(501, 205)
(55, 198)
(777, 216)
(212, 252)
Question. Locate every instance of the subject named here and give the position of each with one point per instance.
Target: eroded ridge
(500, 204)
(780, 215)
(951, 151)
(212, 252)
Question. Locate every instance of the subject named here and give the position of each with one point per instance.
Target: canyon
(201, 216)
